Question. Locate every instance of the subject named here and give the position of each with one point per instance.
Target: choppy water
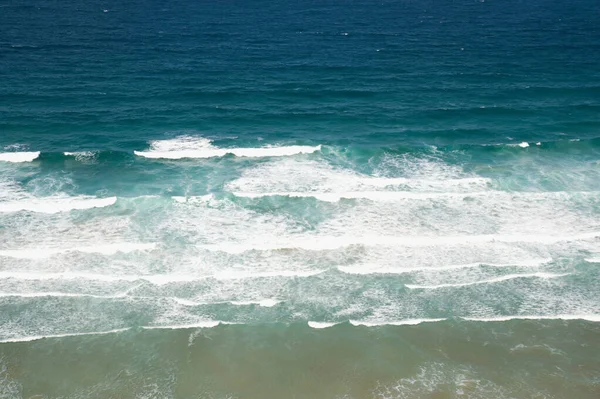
(299, 200)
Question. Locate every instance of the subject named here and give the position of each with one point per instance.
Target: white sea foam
(370, 195)
(202, 324)
(374, 269)
(398, 181)
(541, 275)
(197, 147)
(239, 152)
(82, 156)
(267, 303)
(104, 249)
(320, 324)
(407, 322)
(308, 177)
(412, 195)
(67, 276)
(322, 243)
(196, 199)
(588, 317)
(156, 279)
(187, 302)
(37, 337)
(18, 157)
(79, 154)
(161, 279)
(58, 295)
(593, 260)
(235, 274)
(180, 143)
(523, 144)
(56, 204)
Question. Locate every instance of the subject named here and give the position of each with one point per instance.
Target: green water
(316, 199)
(513, 359)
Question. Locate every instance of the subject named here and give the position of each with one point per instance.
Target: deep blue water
(308, 199)
(386, 73)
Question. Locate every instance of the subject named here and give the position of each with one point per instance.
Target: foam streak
(488, 281)
(365, 269)
(323, 243)
(104, 249)
(56, 205)
(37, 337)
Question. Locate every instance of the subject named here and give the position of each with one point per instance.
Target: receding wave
(489, 281)
(320, 324)
(588, 317)
(56, 204)
(104, 249)
(17, 157)
(407, 322)
(201, 324)
(199, 147)
(322, 243)
(37, 337)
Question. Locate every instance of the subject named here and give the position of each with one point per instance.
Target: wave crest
(18, 157)
(199, 147)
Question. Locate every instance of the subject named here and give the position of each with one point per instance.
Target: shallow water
(316, 200)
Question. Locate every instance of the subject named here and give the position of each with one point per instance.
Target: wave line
(316, 243)
(18, 157)
(541, 275)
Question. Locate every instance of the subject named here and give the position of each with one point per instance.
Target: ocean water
(299, 199)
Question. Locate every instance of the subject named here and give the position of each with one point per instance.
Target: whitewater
(423, 222)
(275, 199)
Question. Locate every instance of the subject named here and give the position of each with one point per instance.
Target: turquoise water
(299, 200)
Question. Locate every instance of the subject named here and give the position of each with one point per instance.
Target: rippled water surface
(252, 199)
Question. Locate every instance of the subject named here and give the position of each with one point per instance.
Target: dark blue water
(113, 75)
(307, 199)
